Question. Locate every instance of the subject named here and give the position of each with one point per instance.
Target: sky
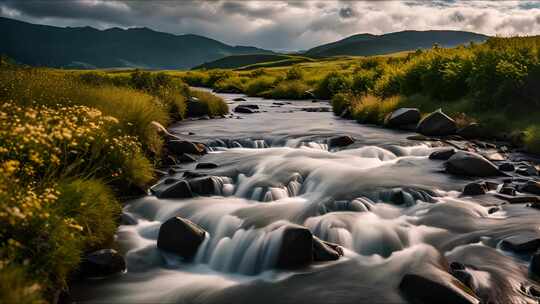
(284, 25)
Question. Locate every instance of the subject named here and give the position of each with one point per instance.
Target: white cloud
(285, 24)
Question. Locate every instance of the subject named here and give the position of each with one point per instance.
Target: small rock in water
(531, 187)
(475, 188)
(239, 99)
(508, 191)
(527, 170)
(525, 242)
(534, 267)
(187, 158)
(102, 263)
(203, 185)
(246, 109)
(437, 124)
(420, 289)
(443, 154)
(471, 164)
(506, 167)
(180, 236)
(172, 189)
(127, 219)
(206, 166)
(340, 141)
(296, 247)
(325, 251)
(182, 146)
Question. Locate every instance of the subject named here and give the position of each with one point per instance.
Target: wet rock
(521, 199)
(102, 263)
(471, 164)
(471, 131)
(494, 156)
(475, 188)
(508, 191)
(340, 141)
(316, 109)
(325, 251)
(508, 167)
(296, 247)
(423, 290)
(187, 158)
(203, 185)
(531, 187)
(493, 210)
(183, 146)
(527, 170)
(239, 99)
(127, 219)
(437, 124)
(525, 242)
(172, 188)
(180, 236)
(206, 166)
(464, 277)
(443, 154)
(193, 174)
(278, 103)
(403, 117)
(345, 114)
(400, 197)
(309, 94)
(246, 109)
(534, 266)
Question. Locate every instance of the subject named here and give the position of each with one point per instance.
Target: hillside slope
(367, 44)
(251, 61)
(87, 47)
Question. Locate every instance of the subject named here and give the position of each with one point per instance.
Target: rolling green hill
(87, 47)
(253, 61)
(368, 44)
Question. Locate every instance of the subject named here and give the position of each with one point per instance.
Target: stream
(276, 168)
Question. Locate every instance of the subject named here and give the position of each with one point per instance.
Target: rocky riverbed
(283, 202)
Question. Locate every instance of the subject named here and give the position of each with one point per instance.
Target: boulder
(102, 263)
(340, 141)
(534, 267)
(244, 109)
(403, 117)
(239, 99)
(472, 131)
(250, 106)
(172, 188)
(507, 167)
(443, 154)
(508, 190)
(527, 170)
(531, 187)
(424, 290)
(187, 158)
(206, 166)
(296, 248)
(437, 124)
(203, 185)
(525, 242)
(475, 188)
(183, 146)
(325, 251)
(471, 164)
(180, 236)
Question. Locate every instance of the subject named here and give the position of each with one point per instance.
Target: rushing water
(275, 168)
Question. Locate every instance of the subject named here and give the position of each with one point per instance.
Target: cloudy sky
(284, 25)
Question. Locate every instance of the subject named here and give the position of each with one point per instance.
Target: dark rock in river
(340, 141)
(471, 164)
(172, 188)
(522, 242)
(246, 109)
(127, 219)
(534, 267)
(403, 116)
(531, 187)
(203, 185)
(506, 167)
(239, 99)
(182, 146)
(437, 124)
(527, 170)
(325, 251)
(296, 247)
(443, 154)
(206, 166)
(508, 191)
(187, 158)
(423, 290)
(180, 236)
(475, 188)
(102, 263)
(471, 131)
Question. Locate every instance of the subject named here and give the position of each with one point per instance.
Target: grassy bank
(70, 144)
(494, 83)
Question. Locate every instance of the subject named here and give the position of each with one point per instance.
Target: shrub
(259, 85)
(370, 109)
(532, 139)
(294, 73)
(209, 104)
(332, 84)
(294, 89)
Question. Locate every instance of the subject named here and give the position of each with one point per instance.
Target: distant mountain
(253, 61)
(368, 44)
(87, 47)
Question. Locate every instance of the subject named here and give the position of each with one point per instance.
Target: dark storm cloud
(283, 24)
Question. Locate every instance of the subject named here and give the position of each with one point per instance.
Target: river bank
(399, 214)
